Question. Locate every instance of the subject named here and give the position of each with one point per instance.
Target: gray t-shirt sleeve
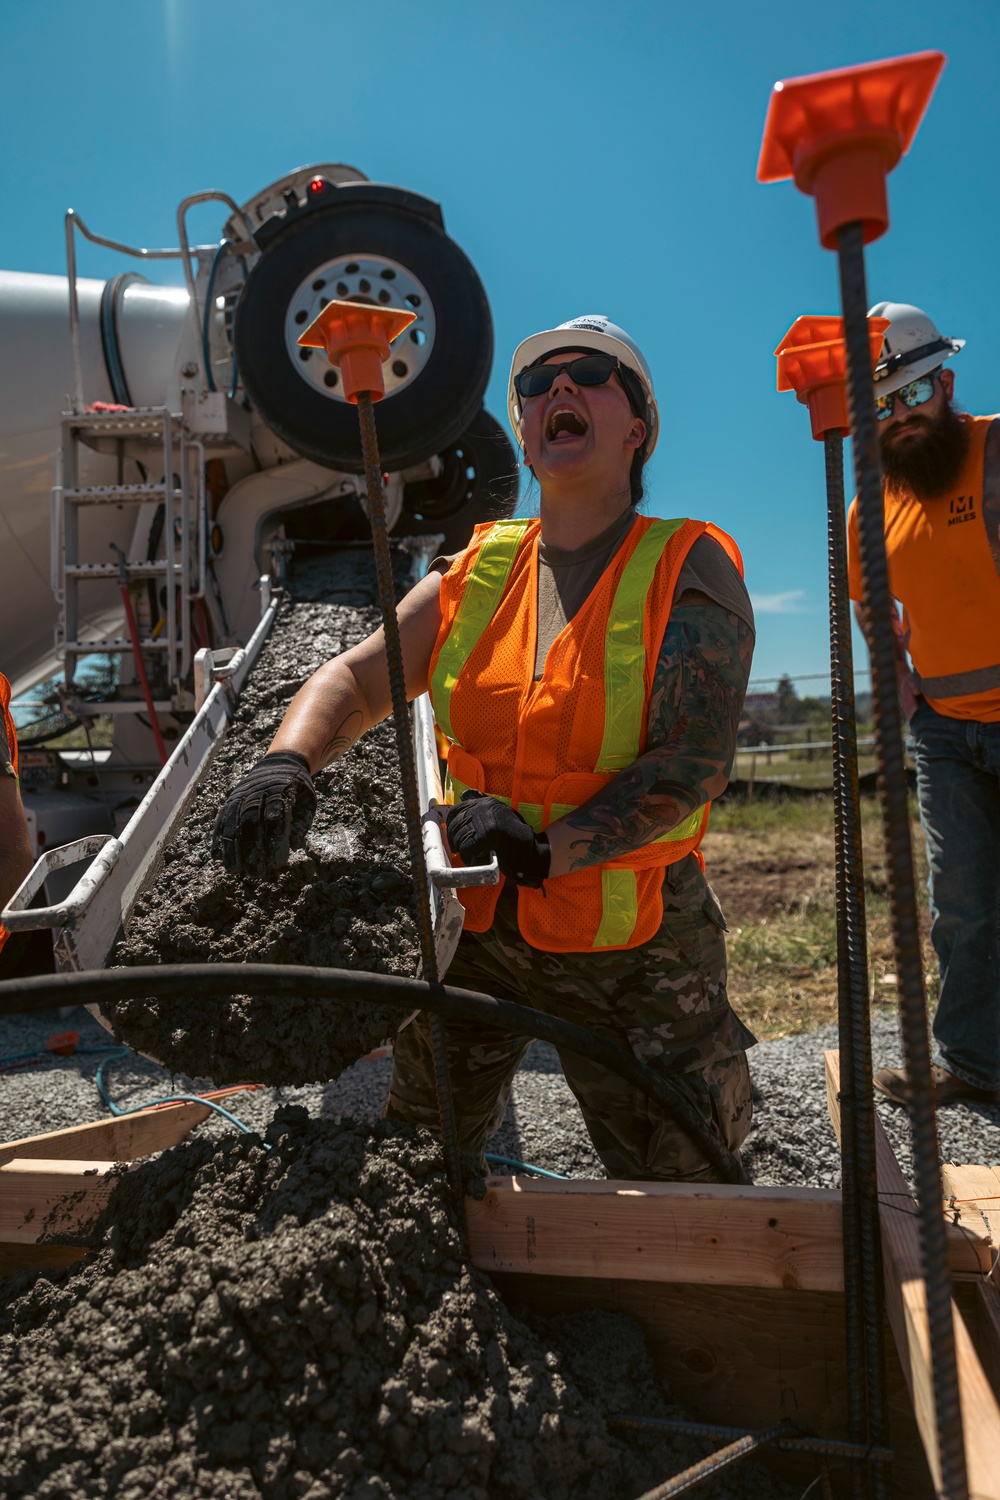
(708, 569)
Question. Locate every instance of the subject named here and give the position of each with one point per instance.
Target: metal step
(141, 421)
(116, 647)
(117, 494)
(83, 571)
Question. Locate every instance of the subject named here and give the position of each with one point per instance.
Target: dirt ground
(772, 866)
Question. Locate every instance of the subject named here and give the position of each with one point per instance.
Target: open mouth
(564, 424)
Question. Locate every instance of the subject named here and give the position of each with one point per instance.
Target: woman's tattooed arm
(694, 712)
(347, 732)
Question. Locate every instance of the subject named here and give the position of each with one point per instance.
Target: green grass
(783, 964)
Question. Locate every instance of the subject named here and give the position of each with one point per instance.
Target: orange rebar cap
(812, 362)
(838, 134)
(356, 338)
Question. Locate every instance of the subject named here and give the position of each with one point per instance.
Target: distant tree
(789, 708)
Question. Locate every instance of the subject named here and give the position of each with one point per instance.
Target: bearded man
(942, 534)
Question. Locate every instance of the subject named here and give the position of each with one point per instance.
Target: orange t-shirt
(944, 568)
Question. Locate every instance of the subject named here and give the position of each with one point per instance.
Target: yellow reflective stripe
(621, 908)
(482, 593)
(625, 651)
(685, 830)
(531, 812)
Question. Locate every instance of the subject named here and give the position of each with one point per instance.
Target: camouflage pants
(667, 999)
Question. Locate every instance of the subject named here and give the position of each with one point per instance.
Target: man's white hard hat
(592, 331)
(912, 346)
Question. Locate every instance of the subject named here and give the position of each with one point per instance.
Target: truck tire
(478, 482)
(378, 253)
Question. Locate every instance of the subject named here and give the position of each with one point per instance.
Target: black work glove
(269, 810)
(480, 826)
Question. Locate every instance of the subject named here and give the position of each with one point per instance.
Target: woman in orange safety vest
(587, 670)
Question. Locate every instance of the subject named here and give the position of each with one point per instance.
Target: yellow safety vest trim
(482, 593)
(533, 812)
(625, 651)
(621, 908)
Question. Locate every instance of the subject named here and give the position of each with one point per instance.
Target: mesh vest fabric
(944, 568)
(548, 746)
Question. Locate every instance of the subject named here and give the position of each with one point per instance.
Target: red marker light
(317, 186)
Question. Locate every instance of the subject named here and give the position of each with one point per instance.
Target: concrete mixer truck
(164, 449)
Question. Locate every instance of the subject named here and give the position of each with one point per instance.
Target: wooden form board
(51, 1200)
(700, 1233)
(907, 1311)
(744, 1356)
(121, 1138)
(977, 1190)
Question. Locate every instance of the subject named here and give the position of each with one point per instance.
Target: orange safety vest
(546, 747)
(11, 729)
(944, 568)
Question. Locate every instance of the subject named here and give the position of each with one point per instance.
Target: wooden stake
(907, 1311)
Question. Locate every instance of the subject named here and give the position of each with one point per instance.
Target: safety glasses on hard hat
(589, 369)
(915, 394)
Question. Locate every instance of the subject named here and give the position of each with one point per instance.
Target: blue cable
(115, 1109)
(508, 1161)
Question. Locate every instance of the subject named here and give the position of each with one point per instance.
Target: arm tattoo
(694, 713)
(347, 732)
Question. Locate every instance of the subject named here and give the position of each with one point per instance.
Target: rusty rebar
(894, 798)
(408, 778)
(863, 1292)
(793, 1441)
(723, 1458)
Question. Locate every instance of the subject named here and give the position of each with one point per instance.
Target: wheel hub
(361, 278)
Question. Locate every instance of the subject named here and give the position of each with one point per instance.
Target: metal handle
(18, 918)
(211, 667)
(442, 873)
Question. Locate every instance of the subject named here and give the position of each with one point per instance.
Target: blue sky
(590, 157)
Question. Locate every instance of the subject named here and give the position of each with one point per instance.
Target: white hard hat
(596, 332)
(912, 346)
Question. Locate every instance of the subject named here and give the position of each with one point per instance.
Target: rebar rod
(794, 1441)
(301, 982)
(724, 1458)
(894, 798)
(408, 778)
(863, 1290)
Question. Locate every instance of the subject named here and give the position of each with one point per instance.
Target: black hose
(299, 982)
(894, 797)
(863, 1291)
(408, 777)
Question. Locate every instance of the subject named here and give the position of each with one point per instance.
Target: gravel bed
(791, 1141)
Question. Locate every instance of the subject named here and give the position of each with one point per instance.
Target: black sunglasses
(588, 369)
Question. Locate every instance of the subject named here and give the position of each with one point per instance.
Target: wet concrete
(303, 1323)
(344, 901)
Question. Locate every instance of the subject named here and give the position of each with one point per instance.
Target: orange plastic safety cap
(356, 338)
(838, 134)
(817, 372)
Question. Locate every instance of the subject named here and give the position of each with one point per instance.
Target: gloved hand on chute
(265, 815)
(481, 826)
